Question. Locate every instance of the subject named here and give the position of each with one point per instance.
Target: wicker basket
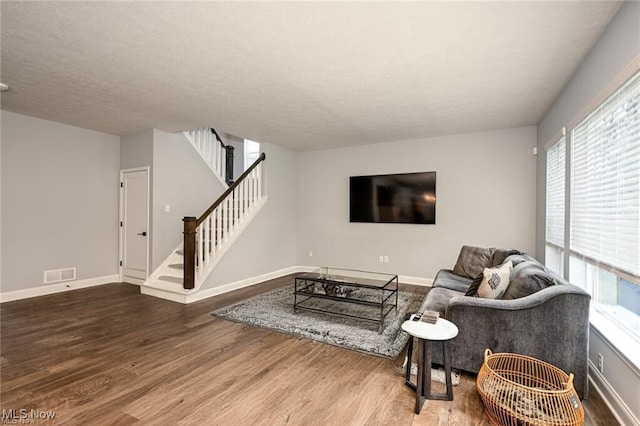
(521, 390)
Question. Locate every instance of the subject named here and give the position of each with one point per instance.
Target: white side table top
(441, 330)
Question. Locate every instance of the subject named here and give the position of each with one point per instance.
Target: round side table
(426, 333)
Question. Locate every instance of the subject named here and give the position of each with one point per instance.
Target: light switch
(167, 208)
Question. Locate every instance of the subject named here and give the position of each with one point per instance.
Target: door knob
(144, 233)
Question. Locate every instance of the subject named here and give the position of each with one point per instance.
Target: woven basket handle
(570, 381)
(487, 352)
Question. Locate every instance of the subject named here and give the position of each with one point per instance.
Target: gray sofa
(540, 314)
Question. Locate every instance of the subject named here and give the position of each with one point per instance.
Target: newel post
(189, 279)
(229, 165)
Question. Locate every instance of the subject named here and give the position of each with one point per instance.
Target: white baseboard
(620, 410)
(405, 279)
(236, 285)
(57, 288)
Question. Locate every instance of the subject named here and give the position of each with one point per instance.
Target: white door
(134, 235)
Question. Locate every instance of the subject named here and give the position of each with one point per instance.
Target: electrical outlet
(386, 259)
(310, 253)
(600, 363)
(381, 259)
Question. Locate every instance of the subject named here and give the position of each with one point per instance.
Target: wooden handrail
(218, 137)
(230, 189)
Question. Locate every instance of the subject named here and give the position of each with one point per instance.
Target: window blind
(605, 181)
(555, 193)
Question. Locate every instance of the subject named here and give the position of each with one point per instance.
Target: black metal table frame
(305, 279)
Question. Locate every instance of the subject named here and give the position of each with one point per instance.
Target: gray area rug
(274, 310)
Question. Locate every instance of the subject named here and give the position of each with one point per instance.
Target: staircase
(208, 237)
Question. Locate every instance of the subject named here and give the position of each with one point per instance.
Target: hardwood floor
(109, 355)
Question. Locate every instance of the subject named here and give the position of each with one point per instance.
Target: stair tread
(177, 266)
(177, 280)
(180, 252)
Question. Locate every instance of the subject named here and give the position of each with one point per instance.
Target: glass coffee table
(367, 296)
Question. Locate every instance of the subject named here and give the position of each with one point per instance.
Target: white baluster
(223, 162)
(218, 229)
(214, 142)
(225, 220)
(259, 180)
(199, 268)
(254, 177)
(242, 205)
(207, 239)
(207, 153)
(236, 206)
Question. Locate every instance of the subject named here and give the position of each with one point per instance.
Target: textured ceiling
(301, 75)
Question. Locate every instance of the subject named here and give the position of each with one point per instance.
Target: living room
(71, 220)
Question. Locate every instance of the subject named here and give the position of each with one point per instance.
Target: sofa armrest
(551, 325)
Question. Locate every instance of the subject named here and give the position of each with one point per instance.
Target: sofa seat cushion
(447, 279)
(438, 299)
(472, 261)
(527, 278)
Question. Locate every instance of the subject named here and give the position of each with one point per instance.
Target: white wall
(136, 150)
(616, 48)
(269, 242)
(182, 180)
(485, 196)
(1, 203)
(59, 201)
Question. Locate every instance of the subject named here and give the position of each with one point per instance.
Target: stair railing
(211, 148)
(206, 236)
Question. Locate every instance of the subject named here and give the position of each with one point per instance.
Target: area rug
(274, 310)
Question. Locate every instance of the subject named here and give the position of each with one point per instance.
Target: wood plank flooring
(109, 355)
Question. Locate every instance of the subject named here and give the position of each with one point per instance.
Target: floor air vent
(59, 275)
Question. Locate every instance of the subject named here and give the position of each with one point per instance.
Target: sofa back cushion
(472, 261)
(517, 259)
(501, 254)
(526, 278)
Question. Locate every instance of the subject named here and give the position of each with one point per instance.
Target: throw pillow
(473, 288)
(472, 260)
(495, 281)
(527, 278)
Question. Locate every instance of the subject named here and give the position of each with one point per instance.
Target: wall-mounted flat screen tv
(397, 198)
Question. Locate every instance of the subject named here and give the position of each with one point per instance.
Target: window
(604, 222)
(554, 253)
(251, 152)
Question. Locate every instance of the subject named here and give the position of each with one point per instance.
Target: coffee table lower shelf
(382, 299)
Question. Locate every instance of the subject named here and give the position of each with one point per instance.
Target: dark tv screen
(397, 198)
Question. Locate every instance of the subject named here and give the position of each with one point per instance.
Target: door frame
(121, 216)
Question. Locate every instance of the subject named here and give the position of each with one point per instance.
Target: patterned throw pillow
(495, 281)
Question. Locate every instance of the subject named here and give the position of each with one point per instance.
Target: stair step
(177, 280)
(177, 266)
(180, 252)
